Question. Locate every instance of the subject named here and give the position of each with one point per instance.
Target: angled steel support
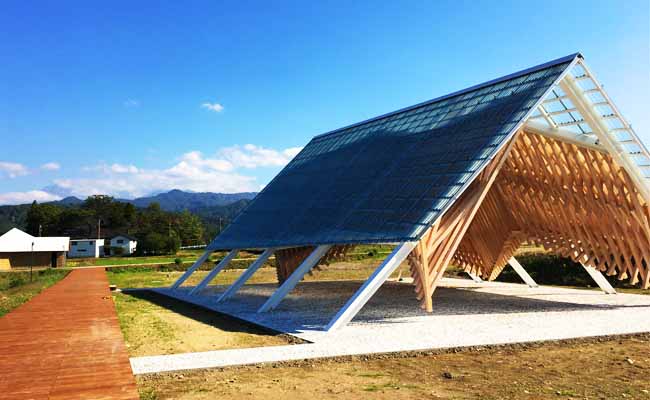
(600, 280)
(294, 278)
(475, 278)
(246, 275)
(191, 269)
(522, 272)
(370, 287)
(215, 271)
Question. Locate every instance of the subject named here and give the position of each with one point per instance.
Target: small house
(19, 249)
(125, 242)
(80, 248)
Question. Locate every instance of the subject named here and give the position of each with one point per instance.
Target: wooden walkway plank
(66, 343)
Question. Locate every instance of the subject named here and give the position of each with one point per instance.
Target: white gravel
(465, 314)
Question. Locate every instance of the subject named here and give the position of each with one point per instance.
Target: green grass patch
(16, 287)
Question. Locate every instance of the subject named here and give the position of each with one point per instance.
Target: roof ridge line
(513, 75)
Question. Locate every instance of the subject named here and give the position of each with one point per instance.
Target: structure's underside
(572, 177)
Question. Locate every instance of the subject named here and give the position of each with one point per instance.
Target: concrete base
(465, 313)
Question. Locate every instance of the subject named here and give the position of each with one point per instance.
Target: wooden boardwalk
(66, 343)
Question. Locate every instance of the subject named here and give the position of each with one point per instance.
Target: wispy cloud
(252, 156)
(27, 197)
(110, 168)
(216, 107)
(224, 171)
(132, 103)
(12, 170)
(193, 171)
(51, 166)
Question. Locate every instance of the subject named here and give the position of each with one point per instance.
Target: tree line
(100, 216)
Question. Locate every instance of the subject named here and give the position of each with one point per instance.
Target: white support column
(475, 278)
(246, 275)
(522, 272)
(215, 271)
(600, 280)
(191, 269)
(370, 287)
(294, 278)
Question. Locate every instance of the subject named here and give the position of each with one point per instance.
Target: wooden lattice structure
(572, 200)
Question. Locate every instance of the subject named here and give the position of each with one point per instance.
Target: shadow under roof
(387, 179)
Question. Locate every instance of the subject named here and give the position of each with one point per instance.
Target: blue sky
(138, 97)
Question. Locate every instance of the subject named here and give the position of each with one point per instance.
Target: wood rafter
(439, 243)
(574, 201)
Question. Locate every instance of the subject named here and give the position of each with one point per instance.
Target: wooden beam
(430, 258)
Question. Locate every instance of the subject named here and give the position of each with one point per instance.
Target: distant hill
(178, 200)
(68, 201)
(214, 209)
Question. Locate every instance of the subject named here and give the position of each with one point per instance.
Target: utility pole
(40, 230)
(99, 228)
(31, 266)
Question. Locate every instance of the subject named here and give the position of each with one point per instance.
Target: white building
(92, 248)
(19, 249)
(127, 243)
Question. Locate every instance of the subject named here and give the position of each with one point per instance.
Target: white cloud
(51, 166)
(27, 197)
(132, 103)
(216, 107)
(124, 169)
(193, 171)
(251, 156)
(12, 170)
(109, 168)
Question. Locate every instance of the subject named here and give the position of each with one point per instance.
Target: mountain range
(176, 200)
(212, 208)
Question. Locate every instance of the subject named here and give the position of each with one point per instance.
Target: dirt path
(66, 344)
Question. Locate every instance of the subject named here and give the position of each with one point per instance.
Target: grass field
(188, 257)
(153, 324)
(16, 288)
(591, 369)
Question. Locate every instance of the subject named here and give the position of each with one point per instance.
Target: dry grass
(615, 368)
(153, 324)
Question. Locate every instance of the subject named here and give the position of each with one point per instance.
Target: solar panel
(387, 179)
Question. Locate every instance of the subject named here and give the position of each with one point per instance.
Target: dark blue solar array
(387, 179)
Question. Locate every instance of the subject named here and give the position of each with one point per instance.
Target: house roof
(387, 179)
(16, 241)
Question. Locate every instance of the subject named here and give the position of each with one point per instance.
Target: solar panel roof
(387, 179)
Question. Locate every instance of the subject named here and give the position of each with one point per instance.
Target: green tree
(189, 228)
(43, 218)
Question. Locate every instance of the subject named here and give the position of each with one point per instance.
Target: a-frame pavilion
(541, 155)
